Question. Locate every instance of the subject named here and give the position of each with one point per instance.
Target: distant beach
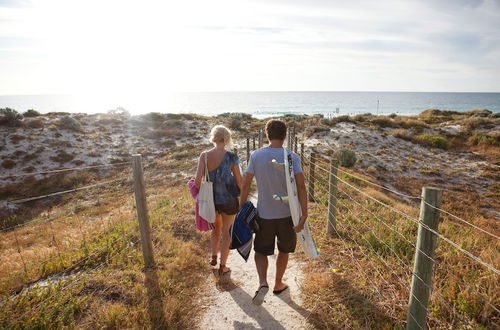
(260, 104)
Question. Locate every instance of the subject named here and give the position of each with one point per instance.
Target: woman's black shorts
(229, 208)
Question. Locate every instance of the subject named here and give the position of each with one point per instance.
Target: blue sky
(148, 47)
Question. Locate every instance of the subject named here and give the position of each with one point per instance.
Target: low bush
(35, 123)
(310, 130)
(29, 157)
(336, 120)
(402, 133)
(347, 157)
(173, 116)
(384, 122)
(432, 140)
(15, 138)
(70, 123)
(412, 123)
(62, 157)
(161, 133)
(481, 139)
(10, 117)
(477, 122)
(8, 163)
(153, 118)
(29, 169)
(31, 113)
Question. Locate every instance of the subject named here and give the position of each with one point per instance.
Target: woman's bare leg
(227, 221)
(215, 237)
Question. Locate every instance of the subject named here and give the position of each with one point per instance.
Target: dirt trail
(229, 301)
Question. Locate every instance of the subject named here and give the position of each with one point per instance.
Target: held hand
(301, 224)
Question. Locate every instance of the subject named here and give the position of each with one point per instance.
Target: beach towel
(242, 230)
(200, 223)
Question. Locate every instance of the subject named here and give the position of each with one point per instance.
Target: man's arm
(302, 192)
(245, 189)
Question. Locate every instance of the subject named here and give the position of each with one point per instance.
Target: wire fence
(364, 224)
(360, 213)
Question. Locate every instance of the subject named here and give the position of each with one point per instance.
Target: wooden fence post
(142, 211)
(311, 176)
(260, 138)
(253, 137)
(248, 150)
(295, 141)
(332, 199)
(302, 152)
(422, 270)
(288, 138)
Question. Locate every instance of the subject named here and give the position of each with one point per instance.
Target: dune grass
(102, 282)
(363, 277)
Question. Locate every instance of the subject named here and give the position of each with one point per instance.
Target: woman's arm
(200, 172)
(237, 175)
(247, 182)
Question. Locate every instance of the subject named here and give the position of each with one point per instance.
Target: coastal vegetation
(76, 257)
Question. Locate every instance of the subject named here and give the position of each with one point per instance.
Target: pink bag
(200, 223)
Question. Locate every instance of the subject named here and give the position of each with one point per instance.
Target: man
(274, 219)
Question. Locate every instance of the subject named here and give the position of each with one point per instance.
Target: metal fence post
(142, 211)
(311, 176)
(422, 270)
(332, 199)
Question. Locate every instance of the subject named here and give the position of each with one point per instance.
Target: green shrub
(10, 117)
(70, 123)
(432, 140)
(31, 113)
(481, 139)
(11, 221)
(347, 157)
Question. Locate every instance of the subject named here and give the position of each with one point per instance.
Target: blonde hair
(220, 134)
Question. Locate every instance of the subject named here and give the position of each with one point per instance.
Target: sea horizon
(259, 103)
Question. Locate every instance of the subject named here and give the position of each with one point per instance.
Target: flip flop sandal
(277, 292)
(258, 299)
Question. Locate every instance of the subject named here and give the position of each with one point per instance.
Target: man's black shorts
(269, 229)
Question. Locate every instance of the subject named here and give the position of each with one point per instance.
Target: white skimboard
(304, 236)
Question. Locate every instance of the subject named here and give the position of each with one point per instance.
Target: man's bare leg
(281, 263)
(261, 263)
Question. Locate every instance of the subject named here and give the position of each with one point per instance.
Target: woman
(224, 172)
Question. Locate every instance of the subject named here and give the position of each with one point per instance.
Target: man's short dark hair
(276, 129)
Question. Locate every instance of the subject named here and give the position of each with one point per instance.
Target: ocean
(260, 104)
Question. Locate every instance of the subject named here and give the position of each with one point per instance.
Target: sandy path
(229, 302)
(229, 299)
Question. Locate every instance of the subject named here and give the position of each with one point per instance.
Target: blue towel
(242, 230)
